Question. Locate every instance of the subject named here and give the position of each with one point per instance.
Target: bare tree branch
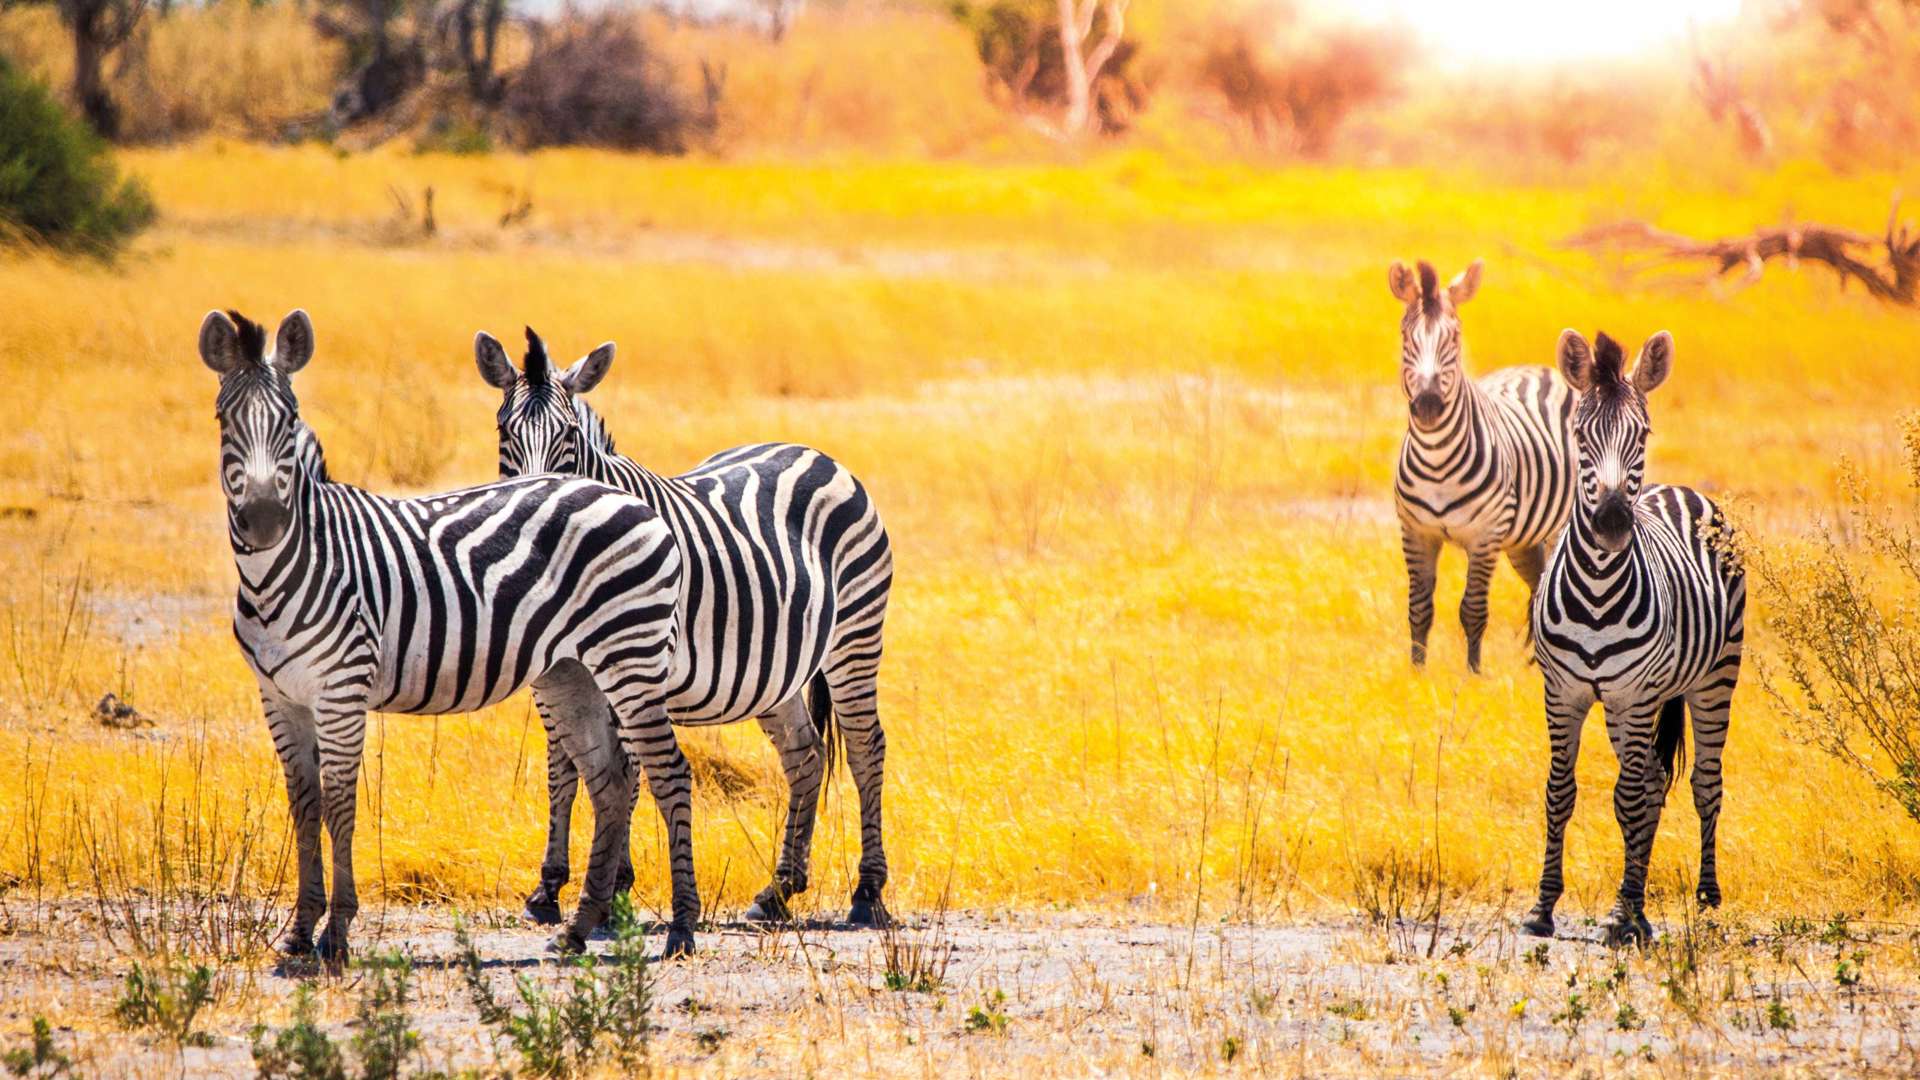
(1846, 252)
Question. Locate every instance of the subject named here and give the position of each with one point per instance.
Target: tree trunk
(89, 79)
(1079, 90)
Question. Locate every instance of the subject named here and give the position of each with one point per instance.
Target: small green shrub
(601, 1016)
(300, 1052)
(40, 1059)
(386, 1037)
(166, 998)
(58, 186)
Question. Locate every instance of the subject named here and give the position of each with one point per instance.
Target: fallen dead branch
(1851, 255)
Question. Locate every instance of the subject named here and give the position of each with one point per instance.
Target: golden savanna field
(1129, 407)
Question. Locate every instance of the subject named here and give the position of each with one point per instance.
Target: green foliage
(559, 1036)
(1628, 1018)
(58, 186)
(40, 1059)
(386, 1037)
(166, 998)
(383, 1042)
(1779, 1016)
(987, 1016)
(300, 1052)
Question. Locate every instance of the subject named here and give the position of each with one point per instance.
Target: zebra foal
(1486, 465)
(1641, 610)
(788, 571)
(349, 602)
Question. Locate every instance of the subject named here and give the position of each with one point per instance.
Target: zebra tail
(820, 706)
(1669, 739)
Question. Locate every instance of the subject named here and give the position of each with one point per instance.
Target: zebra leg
(293, 738)
(854, 688)
(1710, 709)
(1637, 800)
(803, 759)
(563, 777)
(1423, 561)
(342, 736)
(1529, 563)
(1473, 602)
(1566, 714)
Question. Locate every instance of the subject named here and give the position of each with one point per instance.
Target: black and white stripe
(1485, 465)
(349, 602)
(788, 575)
(1642, 610)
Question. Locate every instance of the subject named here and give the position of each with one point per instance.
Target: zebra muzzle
(1613, 521)
(261, 522)
(1427, 406)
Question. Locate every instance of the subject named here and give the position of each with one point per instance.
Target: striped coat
(1485, 465)
(349, 602)
(1642, 610)
(788, 574)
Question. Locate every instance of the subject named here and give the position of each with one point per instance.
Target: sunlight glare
(1525, 33)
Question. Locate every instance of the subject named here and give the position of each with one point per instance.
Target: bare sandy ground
(1068, 995)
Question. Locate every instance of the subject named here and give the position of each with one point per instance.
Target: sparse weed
(165, 997)
(987, 1017)
(38, 1058)
(561, 1035)
(300, 1051)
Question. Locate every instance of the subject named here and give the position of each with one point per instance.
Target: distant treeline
(1837, 80)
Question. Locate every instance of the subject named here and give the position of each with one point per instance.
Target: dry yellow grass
(1131, 427)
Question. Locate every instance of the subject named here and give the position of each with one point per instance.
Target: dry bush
(1842, 613)
(229, 68)
(1289, 85)
(595, 80)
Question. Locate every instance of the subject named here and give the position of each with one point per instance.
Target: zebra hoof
(543, 907)
(871, 913)
(1708, 897)
(1635, 931)
(567, 943)
(331, 948)
(297, 943)
(679, 943)
(769, 908)
(1538, 924)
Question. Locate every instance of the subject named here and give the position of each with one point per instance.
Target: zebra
(1642, 608)
(1486, 465)
(788, 574)
(350, 602)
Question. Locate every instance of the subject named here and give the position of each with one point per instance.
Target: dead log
(1891, 273)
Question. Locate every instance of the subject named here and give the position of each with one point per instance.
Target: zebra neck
(1461, 425)
(1592, 562)
(616, 469)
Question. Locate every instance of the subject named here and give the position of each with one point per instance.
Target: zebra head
(540, 429)
(265, 448)
(1430, 368)
(1610, 427)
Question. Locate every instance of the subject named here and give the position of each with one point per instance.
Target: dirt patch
(1070, 995)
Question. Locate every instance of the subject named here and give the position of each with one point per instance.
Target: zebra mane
(253, 337)
(1609, 361)
(1429, 290)
(536, 367)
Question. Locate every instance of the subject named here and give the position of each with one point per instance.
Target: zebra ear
(1400, 280)
(1576, 359)
(1465, 284)
(293, 343)
(494, 366)
(219, 342)
(587, 372)
(1656, 360)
